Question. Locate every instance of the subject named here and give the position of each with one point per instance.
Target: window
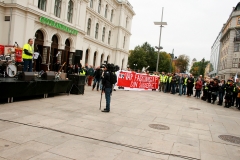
(99, 6)
(235, 65)
(124, 39)
(236, 47)
(57, 8)
(109, 37)
(91, 3)
(96, 32)
(235, 60)
(70, 11)
(103, 34)
(111, 15)
(238, 21)
(89, 27)
(42, 4)
(106, 9)
(126, 22)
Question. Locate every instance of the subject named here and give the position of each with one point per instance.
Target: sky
(192, 25)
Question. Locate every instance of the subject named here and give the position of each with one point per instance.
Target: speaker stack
(78, 84)
(78, 56)
(26, 76)
(50, 75)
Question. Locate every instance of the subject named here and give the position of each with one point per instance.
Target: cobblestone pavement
(72, 127)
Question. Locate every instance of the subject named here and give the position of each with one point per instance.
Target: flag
(235, 77)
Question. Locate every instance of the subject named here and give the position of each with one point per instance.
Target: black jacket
(98, 73)
(106, 80)
(190, 82)
(222, 88)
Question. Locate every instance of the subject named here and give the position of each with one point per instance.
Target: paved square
(72, 127)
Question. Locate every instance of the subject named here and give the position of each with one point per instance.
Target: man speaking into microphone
(28, 55)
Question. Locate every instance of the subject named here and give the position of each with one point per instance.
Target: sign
(137, 81)
(1, 50)
(57, 25)
(18, 54)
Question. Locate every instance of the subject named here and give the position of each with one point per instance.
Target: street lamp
(161, 25)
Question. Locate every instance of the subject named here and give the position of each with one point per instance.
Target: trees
(182, 63)
(145, 55)
(198, 68)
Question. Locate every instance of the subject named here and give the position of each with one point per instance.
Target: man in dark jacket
(190, 85)
(107, 88)
(97, 77)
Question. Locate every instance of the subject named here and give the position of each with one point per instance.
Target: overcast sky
(193, 25)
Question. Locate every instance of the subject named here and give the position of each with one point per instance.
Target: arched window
(99, 6)
(109, 37)
(124, 39)
(111, 15)
(126, 22)
(91, 3)
(96, 32)
(57, 8)
(106, 9)
(103, 34)
(42, 4)
(70, 11)
(89, 27)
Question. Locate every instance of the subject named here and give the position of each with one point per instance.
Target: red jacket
(198, 85)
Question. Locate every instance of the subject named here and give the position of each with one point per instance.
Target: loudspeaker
(48, 75)
(79, 90)
(26, 76)
(77, 79)
(78, 56)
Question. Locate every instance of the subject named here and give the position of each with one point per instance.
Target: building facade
(99, 29)
(229, 58)
(214, 59)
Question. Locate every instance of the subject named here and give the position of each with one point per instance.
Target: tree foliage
(182, 63)
(198, 68)
(145, 55)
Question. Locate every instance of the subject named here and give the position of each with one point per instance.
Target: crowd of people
(208, 89)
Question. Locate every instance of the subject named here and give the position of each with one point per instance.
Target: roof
(194, 59)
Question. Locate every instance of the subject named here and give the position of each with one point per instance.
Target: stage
(11, 87)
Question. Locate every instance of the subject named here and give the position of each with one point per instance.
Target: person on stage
(57, 66)
(27, 56)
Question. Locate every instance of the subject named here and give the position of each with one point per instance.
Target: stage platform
(11, 87)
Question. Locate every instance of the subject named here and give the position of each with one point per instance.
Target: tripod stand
(73, 85)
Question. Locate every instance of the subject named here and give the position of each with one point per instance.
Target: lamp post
(161, 25)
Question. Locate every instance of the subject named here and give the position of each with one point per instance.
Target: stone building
(229, 58)
(99, 29)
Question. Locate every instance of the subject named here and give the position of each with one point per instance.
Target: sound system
(78, 84)
(50, 75)
(26, 76)
(77, 90)
(77, 57)
(77, 79)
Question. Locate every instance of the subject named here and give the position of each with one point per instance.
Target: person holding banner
(28, 55)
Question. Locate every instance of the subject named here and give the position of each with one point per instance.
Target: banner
(137, 81)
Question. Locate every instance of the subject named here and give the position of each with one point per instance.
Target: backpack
(113, 78)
